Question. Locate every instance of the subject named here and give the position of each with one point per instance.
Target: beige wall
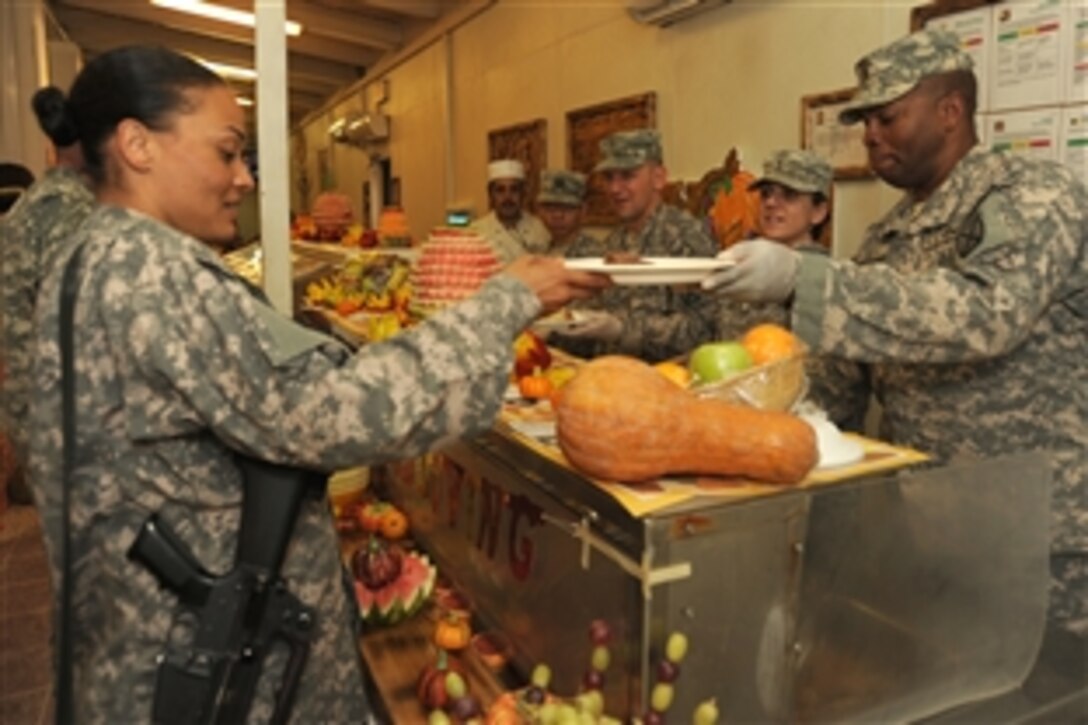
(731, 77)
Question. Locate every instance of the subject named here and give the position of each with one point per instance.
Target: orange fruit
(675, 372)
(769, 342)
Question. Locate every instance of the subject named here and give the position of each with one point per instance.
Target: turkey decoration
(734, 207)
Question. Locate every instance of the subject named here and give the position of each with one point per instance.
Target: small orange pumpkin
(453, 631)
(535, 386)
(393, 524)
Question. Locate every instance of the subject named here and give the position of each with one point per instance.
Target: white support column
(273, 147)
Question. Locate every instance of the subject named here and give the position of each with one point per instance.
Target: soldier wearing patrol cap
(560, 203)
(963, 310)
(511, 229)
(653, 323)
(36, 230)
(794, 194)
(794, 207)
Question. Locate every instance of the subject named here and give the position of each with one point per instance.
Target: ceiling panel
(340, 38)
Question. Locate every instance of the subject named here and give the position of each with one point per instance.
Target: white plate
(654, 270)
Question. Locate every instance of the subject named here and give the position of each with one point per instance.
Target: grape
(534, 695)
(676, 647)
(661, 697)
(599, 632)
(667, 671)
(600, 658)
(653, 718)
(591, 702)
(547, 713)
(706, 713)
(593, 680)
(541, 677)
(465, 708)
(455, 685)
(566, 715)
(437, 717)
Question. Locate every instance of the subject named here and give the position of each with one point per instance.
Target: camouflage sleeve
(280, 392)
(1032, 253)
(585, 246)
(840, 387)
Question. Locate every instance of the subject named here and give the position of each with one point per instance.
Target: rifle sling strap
(65, 709)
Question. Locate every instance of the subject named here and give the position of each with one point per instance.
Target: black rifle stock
(234, 620)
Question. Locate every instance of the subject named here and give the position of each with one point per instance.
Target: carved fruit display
(376, 564)
(390, 584)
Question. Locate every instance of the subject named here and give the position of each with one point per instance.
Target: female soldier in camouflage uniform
(178, 364)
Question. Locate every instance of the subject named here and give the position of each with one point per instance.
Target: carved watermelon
(400, 598)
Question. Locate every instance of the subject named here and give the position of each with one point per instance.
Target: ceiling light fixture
(224, 14)
(243, 101)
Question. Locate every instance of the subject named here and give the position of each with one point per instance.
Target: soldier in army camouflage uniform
(653, 323)
(965, 308)
(32, 235)
(179, 365)
(560, 204)
(794, 192)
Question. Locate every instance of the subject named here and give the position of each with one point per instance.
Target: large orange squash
(621, 420)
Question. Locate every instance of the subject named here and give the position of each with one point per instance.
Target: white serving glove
(765, 271)
(597, 326)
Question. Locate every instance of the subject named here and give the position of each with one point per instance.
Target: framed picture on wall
(822, 133)
(526, 142)
(585, 129)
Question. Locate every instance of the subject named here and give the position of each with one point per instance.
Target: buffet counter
(870, 592)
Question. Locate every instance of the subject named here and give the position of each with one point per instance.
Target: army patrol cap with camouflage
(629, 150)
(894, 70)
(565, 188)
(798, 170)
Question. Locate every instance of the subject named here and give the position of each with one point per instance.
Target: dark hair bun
(55, 116)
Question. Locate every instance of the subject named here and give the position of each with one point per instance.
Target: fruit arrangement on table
(620, 419)
(537, 374)
(765, 368)
(537, 704)
(391, 581)
(376, 285)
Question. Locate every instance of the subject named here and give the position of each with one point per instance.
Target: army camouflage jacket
(32, 234)
(974, 335)
(579, 240)
(658, 322)
(178, 364)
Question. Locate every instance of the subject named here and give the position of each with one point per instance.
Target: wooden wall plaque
(585, 129)
(526, 142)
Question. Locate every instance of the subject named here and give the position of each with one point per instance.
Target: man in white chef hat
(511, 230)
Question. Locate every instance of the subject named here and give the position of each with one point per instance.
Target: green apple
(714, 361)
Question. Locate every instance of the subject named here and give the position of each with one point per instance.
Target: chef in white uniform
(511, 229)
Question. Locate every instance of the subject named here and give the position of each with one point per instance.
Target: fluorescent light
(236, 72)
(243, 101)
(224, 14)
